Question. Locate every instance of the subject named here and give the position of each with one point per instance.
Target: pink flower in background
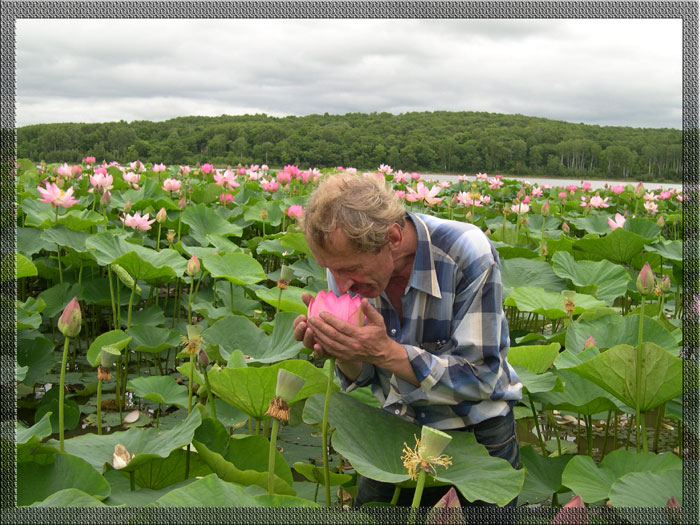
(572, 188)
(651, 207)
(562, 195)
(158, 167)
(400, 176)
(137, 165)
(665, 195)
(241, 171)
(520, 207)
(171, 185)
(464, 198)
(650, 196)
(65, 170)
(100, 181)
(226, 198)
(401, 194)
(385, 169)
(55, 196)
(679, 198)
(486, 199)
(481, 176)
(526, 200)
(89, 160)
(284, 177)
(253, 168)
(206, 168)
(495, 184)
(619, 222)
(184, 170)
(597, 202)
(547, 186)
(253, 176)
(537, 192)
(423, 193)
(344, 307)
(462, 178)
(415, 176)
(352, 171)
(585, 186)
(619, 188)
(228, 179)
(193, 266)
(291, 169)
(264, 167)
(137, 222)
(295, 211)
(445, 184)
(271, 186)
(132, 179)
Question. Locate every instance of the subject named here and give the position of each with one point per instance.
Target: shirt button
(422, 414)
(397, 411)
(393, 331)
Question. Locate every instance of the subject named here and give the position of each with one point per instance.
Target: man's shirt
(454, 331)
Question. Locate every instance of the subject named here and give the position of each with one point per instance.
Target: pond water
(595, 183)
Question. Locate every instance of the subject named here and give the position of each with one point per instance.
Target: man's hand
(302, 330)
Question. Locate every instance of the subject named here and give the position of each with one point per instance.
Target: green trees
(429, 142)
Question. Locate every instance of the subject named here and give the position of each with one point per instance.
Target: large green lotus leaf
(280, 500)
(36, 481)
(70, 498)
(228, 472)
(270, 247)
(274, 213)
(24, 268)
(49, 403)
(593, 223)
(145, 443)
(203, 220)
(115, 338)
(38, 214)
(210, 491)
(153, 339)
(152, 315)
(160, 473)
(35, 352)
(221, 244)
(373, 440)
(81, 219)
(251, 389)
(641, 226)
(29, 241)
(251, 453)
(28, 315)
(35, 433)
(549, 304)
(506, 251)
(534, 223)
(536, 358)
(58, 296)
(618, 246)
(672, 250)
(160, 389)
(308, 268)
(593, 483)
(614, 329)
(290, 300)
(239, 268)
(140, 497)
(615, 372)
(533, 383)
(297, 242)
(317, 475)
(611, 279)
(109, 248)
(647, 489)
(579, 395)
(542, 474)
(529, 272)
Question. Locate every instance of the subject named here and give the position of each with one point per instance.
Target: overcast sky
(620, 72)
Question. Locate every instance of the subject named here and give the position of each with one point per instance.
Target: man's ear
(395, 235)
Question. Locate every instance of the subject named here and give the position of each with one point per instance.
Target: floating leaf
(153, 339)
(160, 389)
(210, 491)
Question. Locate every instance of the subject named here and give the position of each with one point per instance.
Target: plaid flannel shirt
(454, 331)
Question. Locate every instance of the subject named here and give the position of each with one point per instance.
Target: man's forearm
(395, 361)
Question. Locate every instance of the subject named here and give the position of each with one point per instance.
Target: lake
(595, 183)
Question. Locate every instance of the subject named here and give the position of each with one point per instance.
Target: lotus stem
(211, 394)
(324, 432)
(117, 387)
(60, 271)
(537, 424)
(395, 497)
(556, 431)
(638, 404)
(132, 480)
(607, 431)
(160, 225)
(657, 429)
(61, 392)
(99, 407)
(271, 456)
(589, 433)
(418, 494)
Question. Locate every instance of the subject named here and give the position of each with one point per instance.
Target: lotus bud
(672, 503)
(202, 358)
(181, 204)
(71, 319)
(665, 284)
(488, 231)
(170, 236)
(645, 280)
(565, 228)
(545, 209)
(106, 198)
(590, 342)
(161, 216)
(121, 457)
(127, 206)
(660, 221)
(193, 266)
(639, 190)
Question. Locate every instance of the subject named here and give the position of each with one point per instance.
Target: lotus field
(156, 365)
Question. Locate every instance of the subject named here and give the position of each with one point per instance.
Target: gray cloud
(608, 72)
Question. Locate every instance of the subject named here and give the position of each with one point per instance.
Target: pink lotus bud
(202, 358)
(565, 228)
(344, 307)
(660, 221)
(590, 342)
(161, 216)
(193, 266)
(182, 203)
(645, 280)
(127, 206)
(545, 209)
(71, 319)
(665, 284)
(106, 198)
(639, 190)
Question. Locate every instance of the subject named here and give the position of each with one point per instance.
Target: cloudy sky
(621, 72)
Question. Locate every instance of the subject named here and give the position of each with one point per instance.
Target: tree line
(428, 142)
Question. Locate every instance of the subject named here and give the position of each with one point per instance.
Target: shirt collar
(424, 276)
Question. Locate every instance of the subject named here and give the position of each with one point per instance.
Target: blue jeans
(496, 434)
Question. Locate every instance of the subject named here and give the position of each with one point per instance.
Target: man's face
(364, 273)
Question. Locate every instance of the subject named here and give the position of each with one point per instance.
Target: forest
(428, 142)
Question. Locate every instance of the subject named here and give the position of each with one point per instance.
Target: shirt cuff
(428, 369)
(363, 379)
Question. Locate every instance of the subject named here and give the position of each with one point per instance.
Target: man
(435, 342)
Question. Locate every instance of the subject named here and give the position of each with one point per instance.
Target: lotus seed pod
(432, 442)
(288, 384)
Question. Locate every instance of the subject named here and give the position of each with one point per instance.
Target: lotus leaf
(610, 279)
(542, 474)
(159, 389)
(549, 304)
(153, 339)
(593, 223)
(204, 221)
(35, 352)
(529, 272)
(536, 358)
(114, 338)
(647, 489)
(24, 268)
(618, 246)
(70, 498)
(289, 302)
(578, 395)
(238, 268)
(56, 298)
(671, 250)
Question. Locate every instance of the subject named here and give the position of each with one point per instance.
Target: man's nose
(344, 284)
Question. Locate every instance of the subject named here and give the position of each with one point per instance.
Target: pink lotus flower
(351, 171)
(101, 181)
(520, 207)
(651, 207)
(241, 171)
(464, 198)
(650, 196)
(537, 192)
(137, 222)
(401, 194)
(137, 165)
(228, 179)
(55, 196)
(415, 176)
(158, 167)
(664, 195)
(619, 188)
(572, 188)
(253, 168)
(264, 167)
(590, 342)
(639, 190)
(284, 177)
(495, 184)
(71, 319)
(586, 186)
(207, 168)
(65, 171)
(344, 307)
(385, 169)
(171, 185)
(89, 160)
(679, 197)
(445, 184)
(132, 179)
(619, 222)
(422, 193)
(295, 211)
(481, 176)
(161, 216)
(291, 169)
(271, 186)
(400, 176)
(226, 198)
(184, 170)
(486, 199)
(547, 186)
(526, 200)
(597, 202)
(562, 195)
